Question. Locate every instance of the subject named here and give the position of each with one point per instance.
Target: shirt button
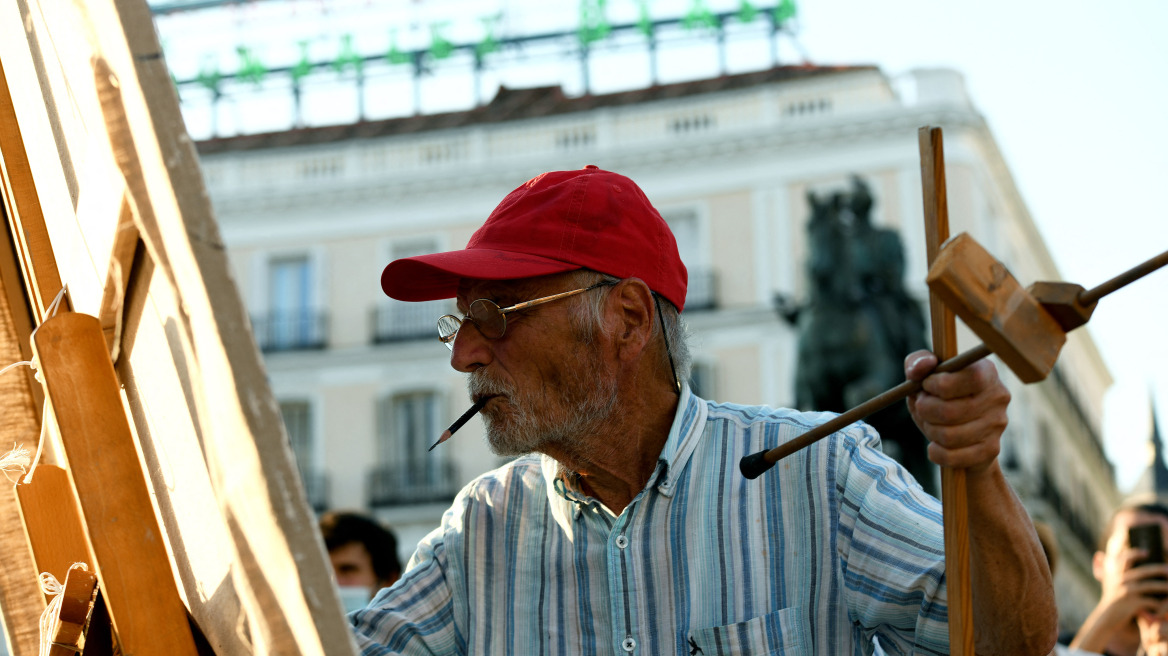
(629, 644)
(622, 541)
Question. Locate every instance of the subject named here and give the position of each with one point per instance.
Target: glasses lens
(447, 329)
(486, 315)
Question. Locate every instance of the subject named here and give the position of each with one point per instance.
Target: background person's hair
(341, 528)
(587, 312)
(1142, 505)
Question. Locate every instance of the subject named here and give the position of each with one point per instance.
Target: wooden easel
(165, 467)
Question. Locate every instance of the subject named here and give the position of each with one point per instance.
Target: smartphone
(1148, 537)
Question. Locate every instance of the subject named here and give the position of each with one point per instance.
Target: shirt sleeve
(891, 545)
(416, 615)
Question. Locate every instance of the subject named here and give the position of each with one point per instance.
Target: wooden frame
(103, 195)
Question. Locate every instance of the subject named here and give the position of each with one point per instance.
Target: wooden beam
(132, 564)
(944, 327)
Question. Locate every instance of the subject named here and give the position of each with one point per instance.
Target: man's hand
(963, 413)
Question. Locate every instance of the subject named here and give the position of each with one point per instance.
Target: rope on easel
(51, 586)
(18, 457)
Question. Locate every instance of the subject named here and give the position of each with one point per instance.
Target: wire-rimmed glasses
(492, 319)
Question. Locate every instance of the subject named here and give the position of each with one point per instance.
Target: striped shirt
(834, 546)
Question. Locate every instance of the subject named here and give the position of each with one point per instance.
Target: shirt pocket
(781, 633)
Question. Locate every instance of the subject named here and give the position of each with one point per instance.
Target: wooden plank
(132, 565)
(944, 328)
(48, 509)
(22, 203)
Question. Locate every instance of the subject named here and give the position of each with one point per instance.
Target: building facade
(311, 216)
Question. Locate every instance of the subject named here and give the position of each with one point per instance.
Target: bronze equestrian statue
(859, 322)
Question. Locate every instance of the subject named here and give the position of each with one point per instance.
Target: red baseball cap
(555, 222)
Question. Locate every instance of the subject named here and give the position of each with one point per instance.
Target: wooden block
(76, 600)
(1061, 301)
(131, 561)
(994, 305)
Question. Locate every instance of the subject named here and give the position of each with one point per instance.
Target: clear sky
(1075, 93)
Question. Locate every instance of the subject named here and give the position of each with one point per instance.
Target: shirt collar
(684, 435)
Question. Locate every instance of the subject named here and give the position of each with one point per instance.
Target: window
(687, 232)
(405, 471)
(292, 321)
(298, 424)
(701, 380)
(401, 320)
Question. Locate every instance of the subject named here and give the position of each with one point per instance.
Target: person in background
(1127, 607)
(363, 553)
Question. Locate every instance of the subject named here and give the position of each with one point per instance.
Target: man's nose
(470, 349)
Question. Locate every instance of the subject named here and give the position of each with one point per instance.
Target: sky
(1074, 92)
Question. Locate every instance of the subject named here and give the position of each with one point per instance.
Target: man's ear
(629, 312)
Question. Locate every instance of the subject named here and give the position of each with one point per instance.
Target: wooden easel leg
(132, 564)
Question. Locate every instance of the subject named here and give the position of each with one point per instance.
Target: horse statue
(858, 323)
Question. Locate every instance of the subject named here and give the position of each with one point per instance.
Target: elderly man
(628, 529)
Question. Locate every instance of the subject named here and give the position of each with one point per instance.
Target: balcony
(291, 331)
(404, 483)
(316, 488)
(399, 321)
(702, 290)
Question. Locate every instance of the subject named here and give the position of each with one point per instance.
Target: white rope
(40, 442)
(51, 586)
(14, 460)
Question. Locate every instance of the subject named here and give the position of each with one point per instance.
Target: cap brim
(437, 275)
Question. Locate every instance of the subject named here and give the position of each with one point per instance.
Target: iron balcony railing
(291, 331)
(316, 488)
(399, 321)
(701, 293)
(410, 482)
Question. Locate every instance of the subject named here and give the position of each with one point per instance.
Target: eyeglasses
(492, 319)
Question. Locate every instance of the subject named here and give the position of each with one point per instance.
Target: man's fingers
(964, 457)
(918, 364)
(970, 381)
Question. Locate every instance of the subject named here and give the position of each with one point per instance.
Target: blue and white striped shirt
(835, 545)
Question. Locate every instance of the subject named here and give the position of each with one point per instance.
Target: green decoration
(644, 20)
(746, 12)
(440, 46)
(785, 11)
(209, 76)
(348, 57)
(302, 67)
(593, 25)
(395, 54)
(699, 15)
(251, 69)
(489, 43)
